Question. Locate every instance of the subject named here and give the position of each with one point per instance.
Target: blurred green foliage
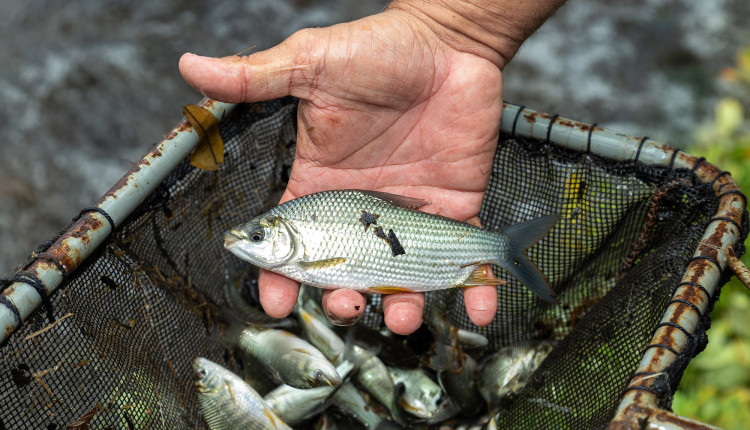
(715, 388)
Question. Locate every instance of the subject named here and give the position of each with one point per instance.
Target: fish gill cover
(162, 291)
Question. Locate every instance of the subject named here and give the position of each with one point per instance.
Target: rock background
(87, 87)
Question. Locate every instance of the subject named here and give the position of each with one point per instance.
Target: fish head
(322, 375)
(206, 375)
(266, 241)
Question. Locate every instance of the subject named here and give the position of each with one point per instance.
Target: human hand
(386, 104)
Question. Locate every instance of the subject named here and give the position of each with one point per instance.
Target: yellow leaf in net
(210, 150)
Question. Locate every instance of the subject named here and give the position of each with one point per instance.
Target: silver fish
(229, 403)
(294, 405)
(292, 360)
(458, 382)
(469, 340)
(321, 335)
(349, 400)
(455, 369)
(421, 396)
(309, 299)
(377, 242)
(509, 369)
(372, 374)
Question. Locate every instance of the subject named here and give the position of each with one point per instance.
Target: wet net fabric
(162, 290)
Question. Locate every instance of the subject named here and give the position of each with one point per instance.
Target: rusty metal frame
(95, 224)
(639, 408)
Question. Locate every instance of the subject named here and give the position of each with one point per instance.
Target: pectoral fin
(482, 275)
(321, 264)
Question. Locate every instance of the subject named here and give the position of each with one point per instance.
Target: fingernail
(339, 321)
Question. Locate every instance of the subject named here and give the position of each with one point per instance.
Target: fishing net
(114, 347)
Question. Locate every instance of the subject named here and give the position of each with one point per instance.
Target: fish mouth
(230, 238)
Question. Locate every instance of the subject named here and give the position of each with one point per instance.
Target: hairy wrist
(493, 29)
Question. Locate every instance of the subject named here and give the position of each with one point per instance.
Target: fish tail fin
(521, 236)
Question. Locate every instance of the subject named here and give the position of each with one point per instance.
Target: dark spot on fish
(21, 375)
(391, 240)
(396, 247)
(356, 307)
(381, 234)
(368, 219)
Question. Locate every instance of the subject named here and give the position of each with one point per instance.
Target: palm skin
(385, 105)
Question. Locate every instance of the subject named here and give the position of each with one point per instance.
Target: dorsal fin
(396, 200)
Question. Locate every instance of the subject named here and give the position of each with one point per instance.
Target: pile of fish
(372, 242)
(314, 375)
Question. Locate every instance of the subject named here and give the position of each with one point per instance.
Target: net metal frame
(678, 336)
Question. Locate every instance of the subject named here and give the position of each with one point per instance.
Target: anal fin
(482, 275)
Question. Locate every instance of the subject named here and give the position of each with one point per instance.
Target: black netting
(158, 293)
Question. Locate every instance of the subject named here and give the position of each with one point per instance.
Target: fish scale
(378, 242)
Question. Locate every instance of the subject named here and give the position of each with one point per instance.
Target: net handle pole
(579, 136)
(92, 228)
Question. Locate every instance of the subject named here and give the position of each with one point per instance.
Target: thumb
(286, 69)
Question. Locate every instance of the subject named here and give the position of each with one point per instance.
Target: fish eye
(200, 373)
(256, 235)
(320, 376)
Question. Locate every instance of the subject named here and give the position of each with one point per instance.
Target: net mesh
(159, 292)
